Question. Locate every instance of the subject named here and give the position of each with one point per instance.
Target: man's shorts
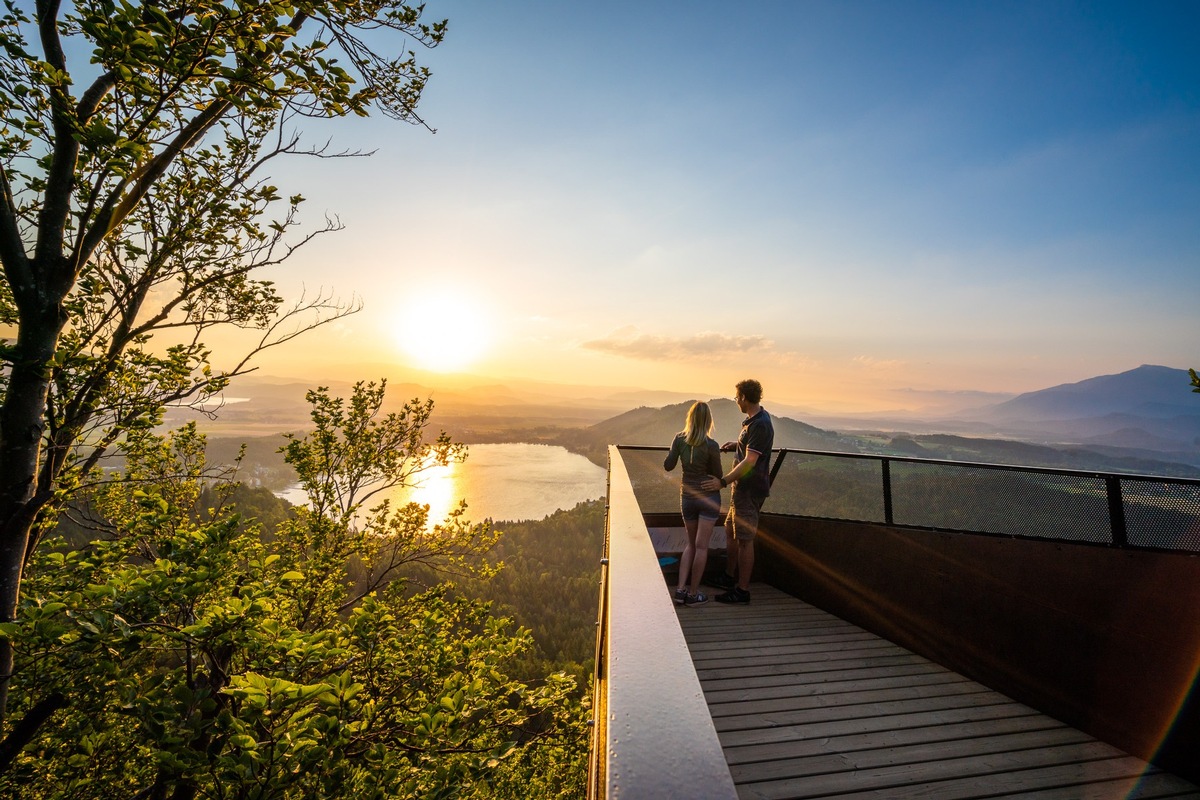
(702, 506)
(743, 515)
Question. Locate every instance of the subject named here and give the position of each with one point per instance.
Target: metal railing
(653, 735)
(1097, 508)
(1059, 629)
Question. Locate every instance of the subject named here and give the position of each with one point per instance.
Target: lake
(502, 482)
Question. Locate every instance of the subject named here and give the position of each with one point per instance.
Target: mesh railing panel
(1159, 514)
(656, 490)
(1010, 502)
(828, 486)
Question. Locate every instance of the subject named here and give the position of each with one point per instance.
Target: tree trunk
(22, 420)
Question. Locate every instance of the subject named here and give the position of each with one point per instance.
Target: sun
(443, 331)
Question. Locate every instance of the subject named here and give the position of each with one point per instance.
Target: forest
(186, 630)
(168, 631)
(550, 584)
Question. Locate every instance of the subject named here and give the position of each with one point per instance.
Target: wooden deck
(807, 705)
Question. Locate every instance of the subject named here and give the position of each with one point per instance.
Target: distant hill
(1149, 409)
(658, 426)
(1144, 420)
(1148, 391)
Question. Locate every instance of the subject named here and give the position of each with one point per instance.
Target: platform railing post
(887, 491)
(1116, 511)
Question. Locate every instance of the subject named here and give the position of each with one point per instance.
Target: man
(751, 481)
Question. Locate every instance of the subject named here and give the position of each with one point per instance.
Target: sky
(861, 204)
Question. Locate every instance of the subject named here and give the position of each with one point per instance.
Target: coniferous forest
(550, 584)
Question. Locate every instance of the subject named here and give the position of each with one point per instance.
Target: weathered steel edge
(660, 737)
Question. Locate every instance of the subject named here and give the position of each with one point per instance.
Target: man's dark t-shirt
(758, 434)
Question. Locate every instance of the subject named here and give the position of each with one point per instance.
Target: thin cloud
(629, 343)
(879, 363)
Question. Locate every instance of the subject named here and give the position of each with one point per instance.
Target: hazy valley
(1142, 421)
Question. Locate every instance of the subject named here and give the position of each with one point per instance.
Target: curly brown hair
(750, 390)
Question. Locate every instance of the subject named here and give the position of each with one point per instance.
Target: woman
(701, 457)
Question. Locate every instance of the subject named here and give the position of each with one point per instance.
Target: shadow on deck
(807, 705)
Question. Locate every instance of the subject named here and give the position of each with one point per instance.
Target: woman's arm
(673, 456)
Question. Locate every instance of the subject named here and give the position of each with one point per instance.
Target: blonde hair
(699, 424)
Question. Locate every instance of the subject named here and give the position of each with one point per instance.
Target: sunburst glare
(443, 331)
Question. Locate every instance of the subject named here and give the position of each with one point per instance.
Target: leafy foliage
(135, 218)
(134, 209)
(186, 651)
(188, 654)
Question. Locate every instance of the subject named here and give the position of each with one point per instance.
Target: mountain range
(1149, 408)
(1148, 391)
(658, 426)
(1143, 420)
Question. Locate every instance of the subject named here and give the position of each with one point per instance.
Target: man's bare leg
(745, 563)
(731, 552)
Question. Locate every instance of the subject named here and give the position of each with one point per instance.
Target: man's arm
(740, 470)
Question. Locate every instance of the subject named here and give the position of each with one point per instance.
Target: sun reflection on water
(511, 481)
(436, 486)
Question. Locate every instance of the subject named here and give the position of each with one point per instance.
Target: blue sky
(941, 196)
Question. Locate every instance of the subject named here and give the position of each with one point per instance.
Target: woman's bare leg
(689, 552)
(699, 542)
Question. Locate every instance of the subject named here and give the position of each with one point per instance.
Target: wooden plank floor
(807, 705)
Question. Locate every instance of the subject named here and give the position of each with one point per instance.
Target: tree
(133, 141)
(191, 656)
(1195, 380)
(353, 455)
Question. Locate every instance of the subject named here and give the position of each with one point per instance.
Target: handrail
(597, 765)
(1080, 473)
(656, 737)
(1110, 490)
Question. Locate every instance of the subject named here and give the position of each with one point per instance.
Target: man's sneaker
(734, 595)
(723, 581)
(697, 599)
(681, 596)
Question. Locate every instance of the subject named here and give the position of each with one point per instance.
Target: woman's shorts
(703, 506)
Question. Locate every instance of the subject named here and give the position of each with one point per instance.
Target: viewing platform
(1015, 652)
